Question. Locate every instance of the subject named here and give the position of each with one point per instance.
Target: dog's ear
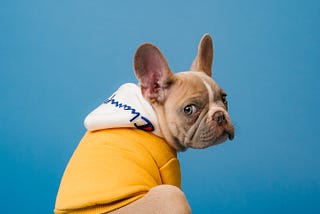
(152, 71)
(204, 59)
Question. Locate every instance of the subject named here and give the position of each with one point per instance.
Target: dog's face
(190, 106)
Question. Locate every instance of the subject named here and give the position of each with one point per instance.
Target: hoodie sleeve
(170, 173)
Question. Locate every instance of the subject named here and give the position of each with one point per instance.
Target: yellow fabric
(113, 167)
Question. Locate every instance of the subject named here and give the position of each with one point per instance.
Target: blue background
(60, 59)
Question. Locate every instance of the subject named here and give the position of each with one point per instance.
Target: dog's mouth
(210, 136)
(229, 133)
(226, 133)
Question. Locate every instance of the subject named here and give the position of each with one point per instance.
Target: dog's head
(190, 106)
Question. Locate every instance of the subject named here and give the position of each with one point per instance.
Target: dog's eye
(189, 109)
(224, 99)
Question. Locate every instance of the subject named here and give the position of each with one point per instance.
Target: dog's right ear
(152, 71)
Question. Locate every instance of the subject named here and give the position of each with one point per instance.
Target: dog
(127, 161)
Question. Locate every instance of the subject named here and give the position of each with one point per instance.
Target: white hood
(125, 108)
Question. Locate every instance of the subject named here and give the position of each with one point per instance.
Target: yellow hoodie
(113, 167)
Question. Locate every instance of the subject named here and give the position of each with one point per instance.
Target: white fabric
(125, 108)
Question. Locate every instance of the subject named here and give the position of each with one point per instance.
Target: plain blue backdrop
(60, 59)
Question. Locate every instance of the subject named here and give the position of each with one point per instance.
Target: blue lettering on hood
(135, 114)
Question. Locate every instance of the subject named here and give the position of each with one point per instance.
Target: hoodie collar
(125, 108)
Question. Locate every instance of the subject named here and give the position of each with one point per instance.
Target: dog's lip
(230, 134)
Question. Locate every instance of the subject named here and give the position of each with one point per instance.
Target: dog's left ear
(204, 59)
(152, 71)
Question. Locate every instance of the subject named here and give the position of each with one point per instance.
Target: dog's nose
(219, 118)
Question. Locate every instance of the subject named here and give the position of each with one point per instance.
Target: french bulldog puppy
(132, 169)
(191, 108)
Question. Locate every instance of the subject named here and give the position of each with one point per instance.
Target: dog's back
(113, 167)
